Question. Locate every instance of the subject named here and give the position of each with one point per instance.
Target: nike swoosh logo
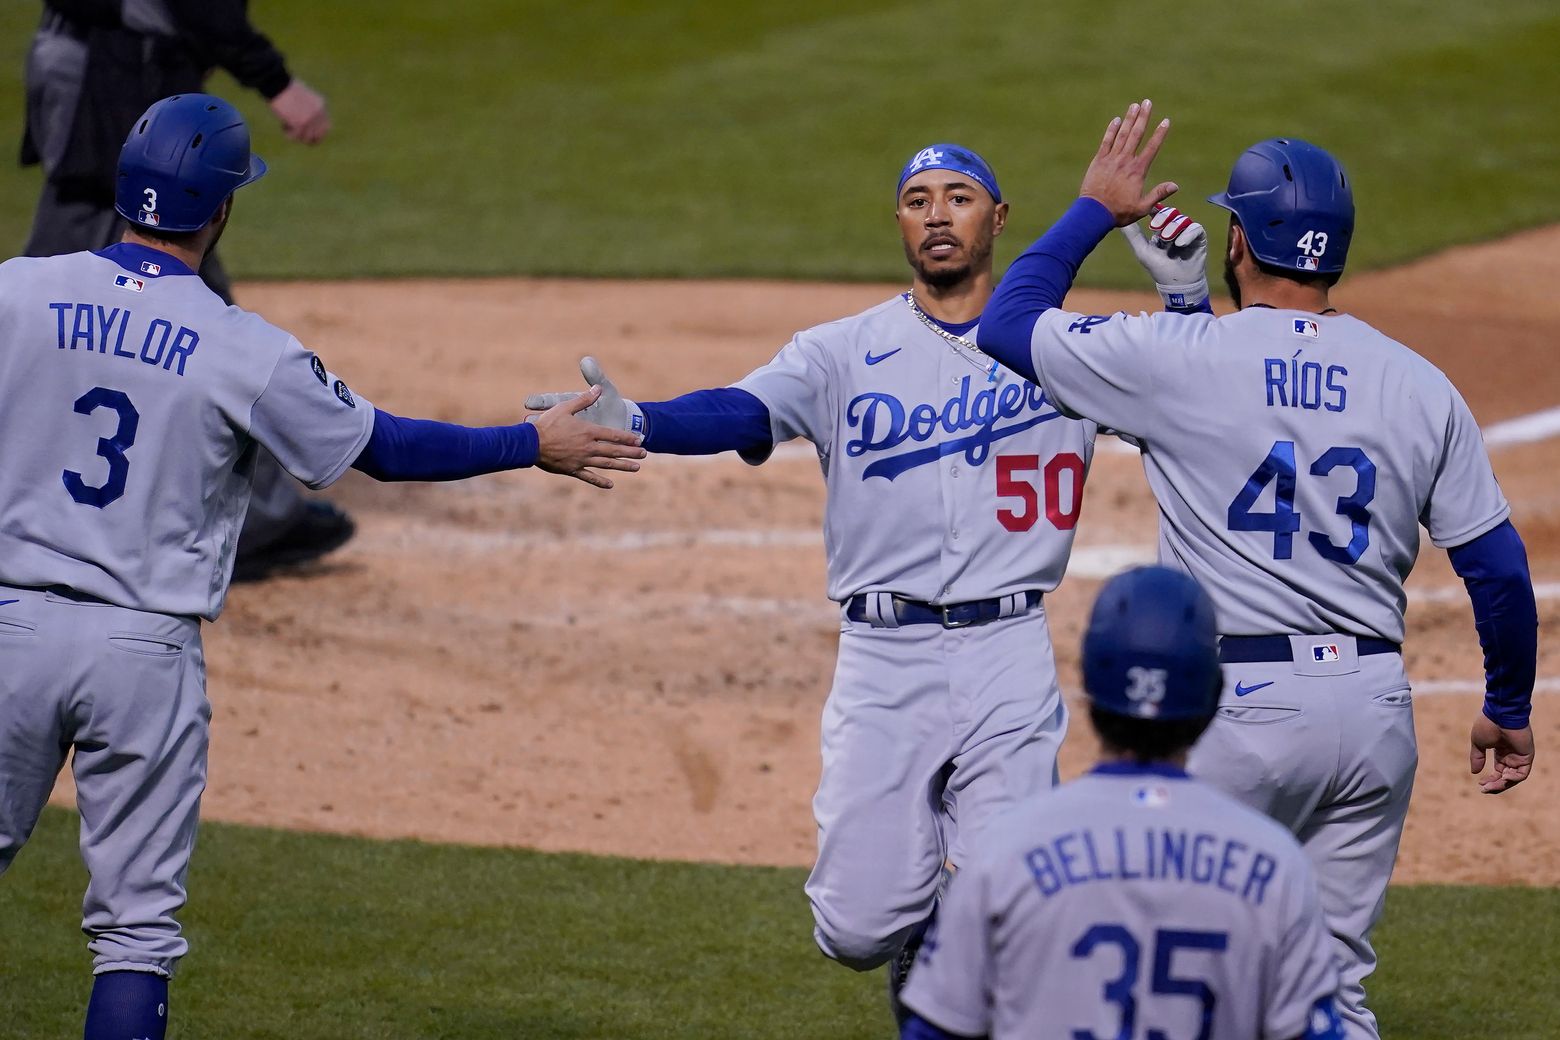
(873, 359)
(1241, 689)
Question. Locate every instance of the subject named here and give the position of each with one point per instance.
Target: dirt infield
(524, 660)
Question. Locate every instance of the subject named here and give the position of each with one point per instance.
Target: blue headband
(951, 157)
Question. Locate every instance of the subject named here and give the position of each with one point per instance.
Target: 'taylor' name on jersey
(105, 330)
(886, 423)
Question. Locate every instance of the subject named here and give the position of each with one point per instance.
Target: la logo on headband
(925, 157)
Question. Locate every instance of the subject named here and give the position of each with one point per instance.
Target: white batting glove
(613, 409)
(1175, 256)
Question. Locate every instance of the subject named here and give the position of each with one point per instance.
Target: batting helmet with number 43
(1294, 203)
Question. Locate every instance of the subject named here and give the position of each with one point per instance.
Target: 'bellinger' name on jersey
(949, 480)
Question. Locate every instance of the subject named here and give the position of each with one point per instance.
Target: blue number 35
(1278, 469)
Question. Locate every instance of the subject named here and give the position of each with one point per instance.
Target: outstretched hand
(570, 445)
(1115, 178)
(610, 409)
(1512, 754)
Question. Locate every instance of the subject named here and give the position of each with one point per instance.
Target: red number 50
(1011, 485)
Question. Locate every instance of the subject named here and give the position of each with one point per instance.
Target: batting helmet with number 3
(182, 160)
(1294, 203)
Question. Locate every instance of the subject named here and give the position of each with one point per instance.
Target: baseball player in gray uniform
(1294, 452)
(132, 403)
(1133, 901)
(954, 490)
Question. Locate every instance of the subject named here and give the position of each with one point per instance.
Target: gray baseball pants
(123, 692)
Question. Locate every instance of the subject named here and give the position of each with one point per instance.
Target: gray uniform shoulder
(843, 332)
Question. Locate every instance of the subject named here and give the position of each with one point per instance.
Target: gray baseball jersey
(1133, 899)
(950, 479)
(1293, 456)
(133, 401)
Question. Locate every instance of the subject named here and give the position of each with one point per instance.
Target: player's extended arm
(558, 441)
(704, 422)
(1111, 195)
(1494, 568)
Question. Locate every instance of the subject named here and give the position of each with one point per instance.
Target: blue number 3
(111, 448)
(1279, 469)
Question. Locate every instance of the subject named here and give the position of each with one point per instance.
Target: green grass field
(303, 937)
(623, 138)
(615, 137)
(308, 937)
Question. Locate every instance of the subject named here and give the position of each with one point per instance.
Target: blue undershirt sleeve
(918, 1028)
(707, 422)
(1037, 282)
(1494, 567)
(423, 449)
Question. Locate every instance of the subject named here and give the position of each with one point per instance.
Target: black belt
(1254, 649)
(954, 615)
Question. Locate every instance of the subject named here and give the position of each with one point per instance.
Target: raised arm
(1112, 195)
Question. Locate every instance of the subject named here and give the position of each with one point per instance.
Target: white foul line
(1524, 429)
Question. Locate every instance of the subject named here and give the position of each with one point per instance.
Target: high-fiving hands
(570, 444)
(1175, 255)
(1115, 178)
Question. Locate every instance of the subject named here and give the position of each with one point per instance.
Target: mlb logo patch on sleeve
(1324, 652)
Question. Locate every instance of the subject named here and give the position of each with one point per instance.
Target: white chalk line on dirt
(1524, 429)
(1087, 562)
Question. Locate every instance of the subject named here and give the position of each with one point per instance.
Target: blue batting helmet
(1294, 203)
(1151, 650)
(182, 160)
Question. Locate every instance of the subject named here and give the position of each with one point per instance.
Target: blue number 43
(1278, 469)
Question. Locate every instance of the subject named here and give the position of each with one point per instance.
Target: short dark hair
(167, 238)
(1329, 279)
(1147, 740)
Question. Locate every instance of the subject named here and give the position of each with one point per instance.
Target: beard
(1231, 282)
(949, 277)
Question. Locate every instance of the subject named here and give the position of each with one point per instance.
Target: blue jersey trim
(134, 257)
(956, 328)
(1159, 769)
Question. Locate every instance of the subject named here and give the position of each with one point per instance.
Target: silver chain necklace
(961, 346)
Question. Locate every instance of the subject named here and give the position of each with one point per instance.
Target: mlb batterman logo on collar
(951, 157)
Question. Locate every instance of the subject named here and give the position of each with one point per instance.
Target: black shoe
(899, 974)
(320, 529)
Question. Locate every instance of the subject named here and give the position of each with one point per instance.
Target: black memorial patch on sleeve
(345, 394)
(319, 369)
